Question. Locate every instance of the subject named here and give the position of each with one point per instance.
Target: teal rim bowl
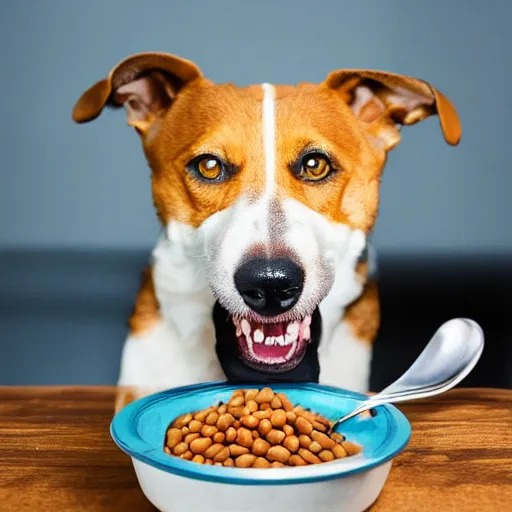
(139, 430)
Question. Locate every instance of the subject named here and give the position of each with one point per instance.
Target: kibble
(256, 429)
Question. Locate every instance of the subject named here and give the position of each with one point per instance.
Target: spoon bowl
(448, 358)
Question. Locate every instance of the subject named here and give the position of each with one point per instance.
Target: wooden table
(56, 454)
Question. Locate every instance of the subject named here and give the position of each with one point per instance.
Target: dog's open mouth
(273, 347)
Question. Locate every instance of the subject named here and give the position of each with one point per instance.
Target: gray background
(70, 186)
(76, 216)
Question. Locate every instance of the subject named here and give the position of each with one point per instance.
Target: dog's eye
(314, 166)
(209, 167)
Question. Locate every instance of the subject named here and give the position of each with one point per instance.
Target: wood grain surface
(56, 454)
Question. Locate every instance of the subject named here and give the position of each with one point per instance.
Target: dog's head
(280, 183)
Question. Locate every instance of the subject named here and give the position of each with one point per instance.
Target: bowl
(176, 485)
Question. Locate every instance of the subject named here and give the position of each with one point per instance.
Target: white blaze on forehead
(269, 138)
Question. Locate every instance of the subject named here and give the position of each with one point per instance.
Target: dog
(267, 195)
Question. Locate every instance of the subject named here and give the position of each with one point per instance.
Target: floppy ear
(384, 100)
(145, 83)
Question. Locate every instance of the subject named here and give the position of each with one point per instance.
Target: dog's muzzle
(263, 346)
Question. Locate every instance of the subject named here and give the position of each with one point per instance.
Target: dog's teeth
(246, 327)
(306, 333)
(258, 336)
(293, 329)
(238, 331)
(307, 321)
(280, 340)
(289, 339)
(269, 340)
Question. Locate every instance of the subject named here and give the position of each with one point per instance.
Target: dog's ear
(145, 83)
(384, 100)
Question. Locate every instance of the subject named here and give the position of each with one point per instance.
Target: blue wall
(69, 186)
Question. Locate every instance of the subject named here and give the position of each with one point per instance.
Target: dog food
(256, 429)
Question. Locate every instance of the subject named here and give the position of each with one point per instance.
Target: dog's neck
(186, 300)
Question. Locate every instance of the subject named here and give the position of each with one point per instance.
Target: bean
(174, 436)
(288, 430)
(303, 426)
(222, 455)
(304, 441)
(229, 462)
(250, 421)
(237, 412)
(339, 451)
(260, 447)
(188, 455)
(264, 396)
(180, 449)
(278, 418)
(276, 403)
(212, 418)
(235, 450)
(185, 431)
(285, 402)
(195, 426)
(223, 409)
(315, 447)
(325, 441)
(264, 406)
(309, 457)
(278, 453)
(198, 446)
(326, 455)
(236, 401)
(275, 436)
(230, 434)
(252, 405)
(291, 443)
(250, 395)
(244, 437)
(245, 461)
(260, 462)
(190, 437)
(291, 417)
(277, 464)
(219, 437)
(297, 460)
(182, 421)
(225, 421)
(263, 415)
(350, 448)
(198, 458)
(209, 462)
(209, 430)
(338, 438)
(213, 450)
(265, 427)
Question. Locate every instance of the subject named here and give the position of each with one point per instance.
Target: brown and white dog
(267, 195)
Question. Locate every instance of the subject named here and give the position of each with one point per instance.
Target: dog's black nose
(269, 287)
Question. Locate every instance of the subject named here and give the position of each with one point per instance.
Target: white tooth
(238, 331)
(258, 336)
(246, 327)
(280, 340)
(289, 339)
(307, 321)
(293, 329)
(306, 333)
(269, 340)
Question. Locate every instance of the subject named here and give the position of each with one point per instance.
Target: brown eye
(315, 167)
(209, 167)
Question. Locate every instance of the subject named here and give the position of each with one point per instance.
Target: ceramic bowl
(175, 485)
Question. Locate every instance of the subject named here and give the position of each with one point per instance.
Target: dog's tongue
(270, 352)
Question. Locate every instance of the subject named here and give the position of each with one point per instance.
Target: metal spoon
(449, 357)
